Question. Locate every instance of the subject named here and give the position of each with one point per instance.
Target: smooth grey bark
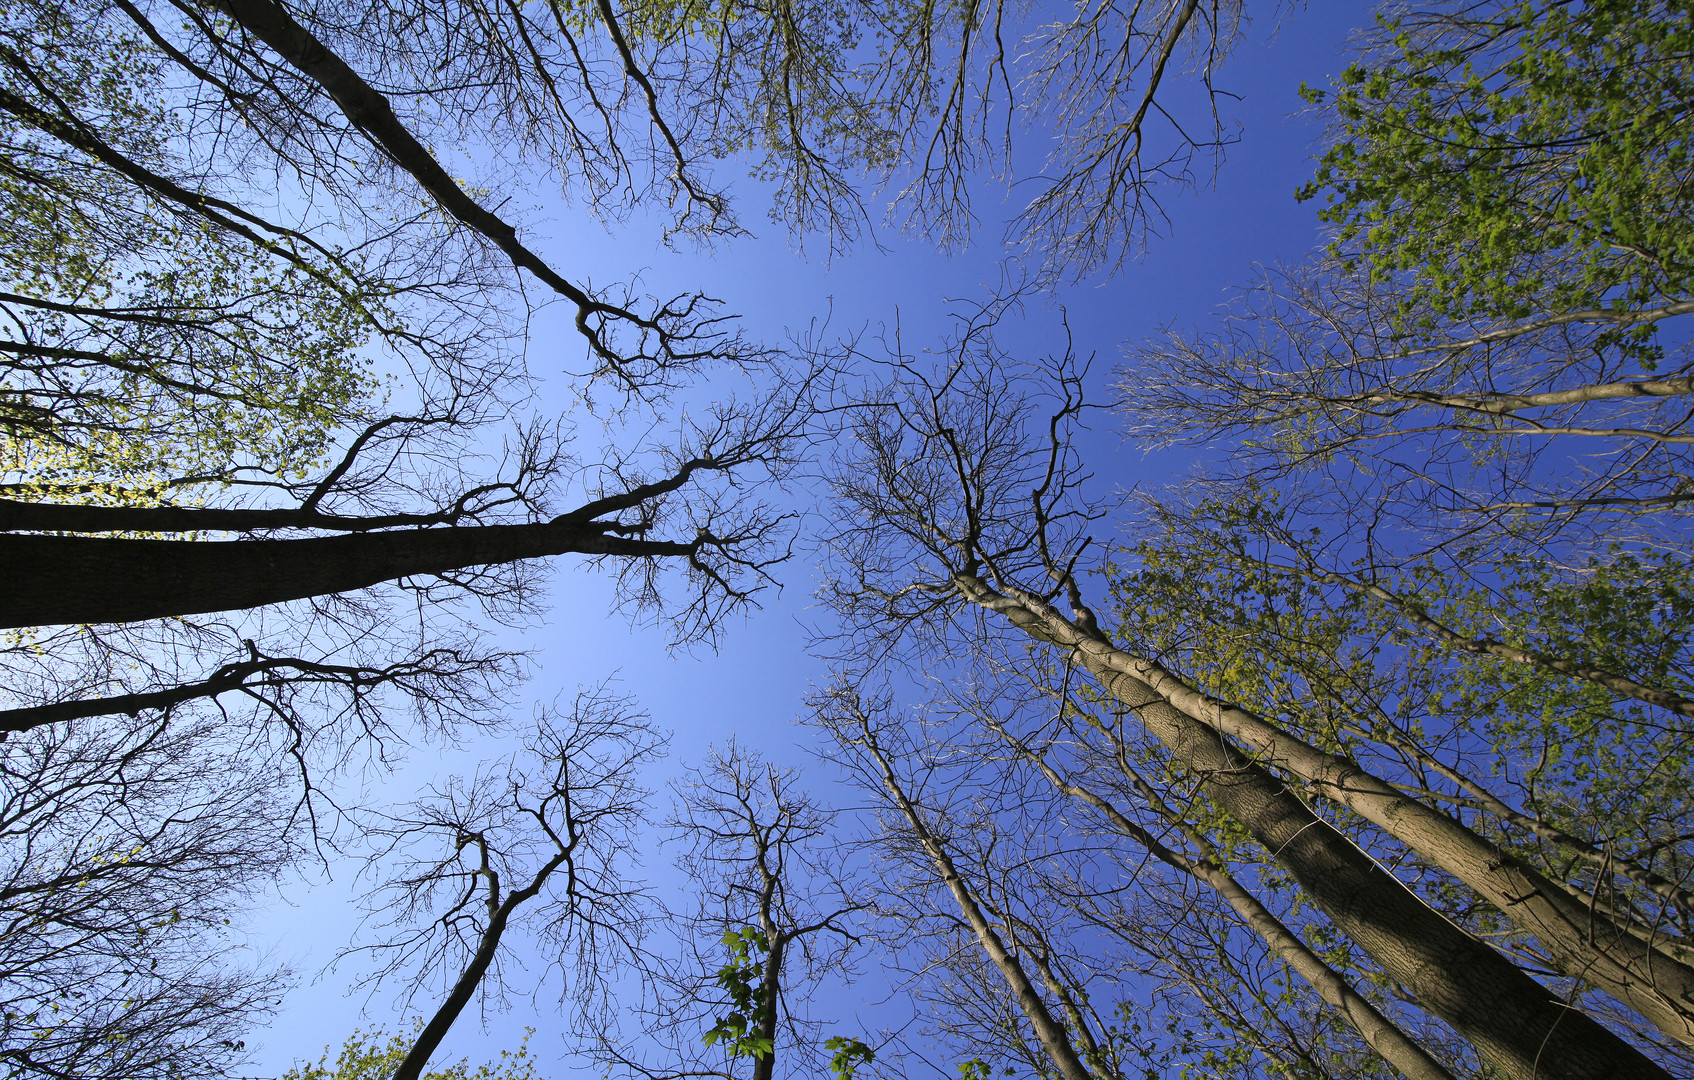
(1055, 1041)
(1514, 1022)
(1637, 965)
(1380, 1033)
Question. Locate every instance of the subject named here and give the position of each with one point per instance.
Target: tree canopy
(1361, 751)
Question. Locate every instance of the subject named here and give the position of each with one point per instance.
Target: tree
(147, 279)
(1465, 420)
(1522, 159)
(1067, 956)
(366, 557)
(836, 99)
(776, 917)
(540, 838)
(948, 502)
(127, 851)
(353, 111)
(1491, 347)
(1473, 399)
(1208, 865)
(663, 343)
(1461, 520)
(1578, 781)
(241, 338)
(141, 346)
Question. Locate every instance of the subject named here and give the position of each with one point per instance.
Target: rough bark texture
(764, 1065)
(73, 579)
(1514, 1022)
(18, 516)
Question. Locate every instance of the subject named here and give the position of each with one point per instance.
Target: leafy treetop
(366, 1056)
(1529, 158)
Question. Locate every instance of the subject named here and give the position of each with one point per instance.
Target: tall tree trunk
(464, 988)
(1380, 1033)
(1638, 965)
(1055, 1041)
(764, 1065)
(77, 579)
(1514, 1022)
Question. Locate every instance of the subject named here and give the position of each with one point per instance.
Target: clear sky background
(752, 687)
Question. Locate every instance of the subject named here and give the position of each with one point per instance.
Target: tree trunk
(1380, 1033)
(464, 988)
(1514, 1022)
(764, 1066)
(1634, 964)
(1055, 1041)
(75, 579)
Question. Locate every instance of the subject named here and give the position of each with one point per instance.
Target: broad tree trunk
(1514, 1022)
(1380, 1033)
(76, 579)
(1639, 965)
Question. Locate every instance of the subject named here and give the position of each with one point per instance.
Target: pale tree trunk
(1054, 1039)
(1380, 1033)
(1636, 964)
(1514, 1022)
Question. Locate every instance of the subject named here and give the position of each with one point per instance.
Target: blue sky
(752, 687)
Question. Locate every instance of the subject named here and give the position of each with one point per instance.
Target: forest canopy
(1349, 739)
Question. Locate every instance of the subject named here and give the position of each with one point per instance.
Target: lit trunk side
(1632, 963)
(1379, 1033)
(1055, 1041)
(75, 579)
(1514, 1022)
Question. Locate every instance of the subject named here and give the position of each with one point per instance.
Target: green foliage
(1520, 158)
(847, 1055)
(145, 344)
(750, 998)
(367, 1056)
(743, 978)
(1227, 603)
